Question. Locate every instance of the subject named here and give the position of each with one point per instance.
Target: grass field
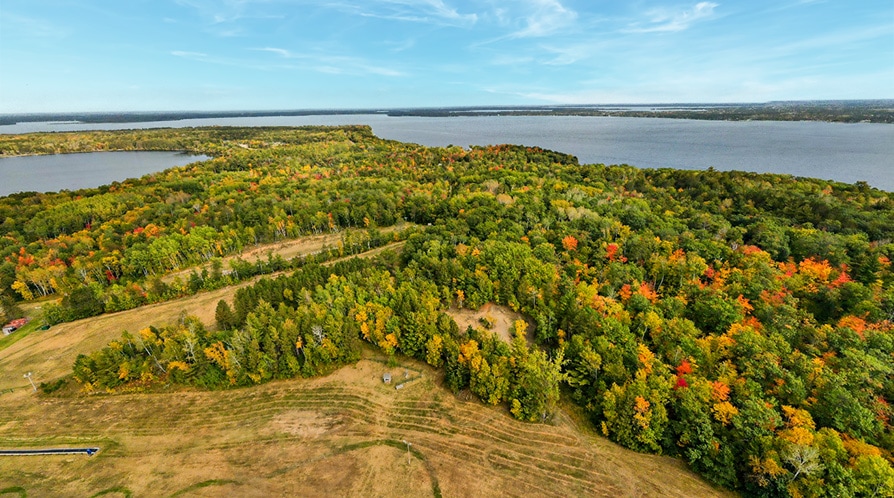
(338, 435)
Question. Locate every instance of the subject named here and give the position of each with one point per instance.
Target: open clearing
(49, 354)
(338, 435)
(501, 319)
(287, 249)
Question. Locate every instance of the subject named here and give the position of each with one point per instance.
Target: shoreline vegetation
(740, 322)
(838, 111)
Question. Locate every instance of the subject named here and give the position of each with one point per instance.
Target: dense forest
(742, 322)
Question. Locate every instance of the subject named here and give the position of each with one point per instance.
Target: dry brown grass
(502, 319)
(339, 435)
(49, 354)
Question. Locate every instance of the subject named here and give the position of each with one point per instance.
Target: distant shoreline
(836, 111)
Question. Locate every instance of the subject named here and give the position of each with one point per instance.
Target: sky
(179, 55)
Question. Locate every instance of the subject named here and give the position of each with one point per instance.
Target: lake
(76, 171)
(833, 151)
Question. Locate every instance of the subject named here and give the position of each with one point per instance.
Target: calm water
(834, 151)
(75, 171)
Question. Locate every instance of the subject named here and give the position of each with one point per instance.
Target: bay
(76, 171)
(831, 151)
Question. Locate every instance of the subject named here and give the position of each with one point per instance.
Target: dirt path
(288, 249)
(369, 254)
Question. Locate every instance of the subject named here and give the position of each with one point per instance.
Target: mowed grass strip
(301, 426)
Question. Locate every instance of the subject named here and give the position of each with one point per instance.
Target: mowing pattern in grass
(323, 434)
(126, 493)
(203, 484)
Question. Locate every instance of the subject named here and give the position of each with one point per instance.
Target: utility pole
(408, 451)
(28, 376)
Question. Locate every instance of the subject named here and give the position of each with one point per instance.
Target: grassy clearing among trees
(340, 433)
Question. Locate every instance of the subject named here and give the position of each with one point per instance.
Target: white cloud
(837, 39)
(189, 55)
(525, 19)
(543, 17)
(355, 66)
(381, 71)
(573, 53)
(401, 46)
(665, 20)
(331, 64)
(32, 27)
(435, 7)
(513, 60)
(278, 51)
(222, 16)
(420, 11)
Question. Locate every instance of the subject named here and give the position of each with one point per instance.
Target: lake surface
(832, 151)
(76, 171)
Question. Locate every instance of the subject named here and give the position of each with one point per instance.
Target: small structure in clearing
(387, 378)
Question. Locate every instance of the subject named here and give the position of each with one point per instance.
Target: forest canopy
(742, 322)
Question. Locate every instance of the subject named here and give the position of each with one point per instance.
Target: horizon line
(355, 110)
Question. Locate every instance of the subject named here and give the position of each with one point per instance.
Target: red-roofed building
(14, 325)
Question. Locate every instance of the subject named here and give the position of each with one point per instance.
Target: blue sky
(125, 55)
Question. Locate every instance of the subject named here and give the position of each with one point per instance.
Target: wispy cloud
(511, 60)
(380, 70)
(551, 54)
(352, 66)
(436, 8)
(563, 55)
(32, 27)
(401, 46)
(224, 18)
(189, 55)
(839, 38)
(419, 11)
(278, 51)
(519, 20)
(666, 20)
(532, 18)
(297, 61)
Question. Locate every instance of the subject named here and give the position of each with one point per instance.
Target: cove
(76, 171)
